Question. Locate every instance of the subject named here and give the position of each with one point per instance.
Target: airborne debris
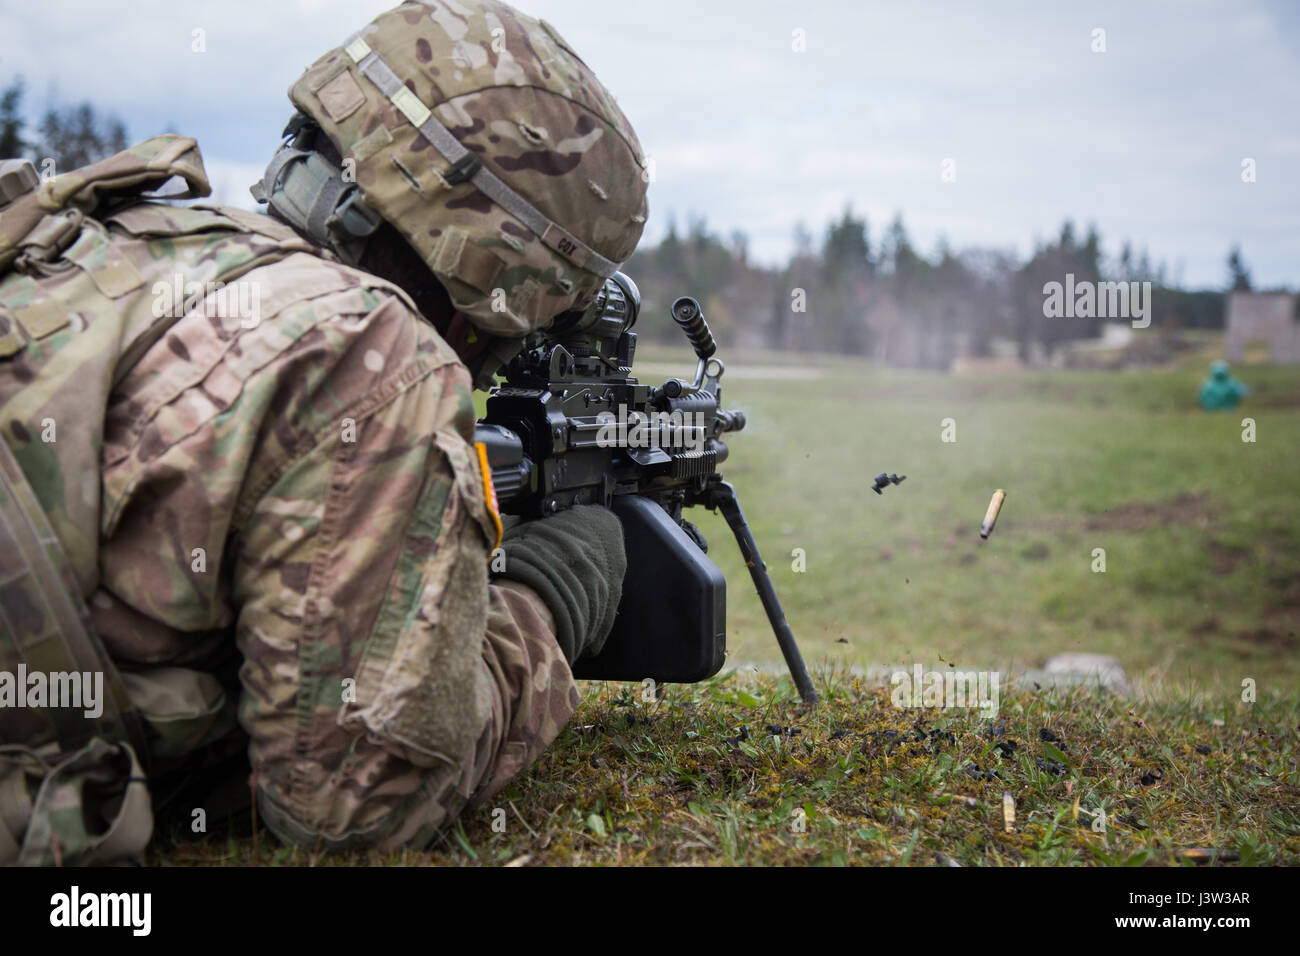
(884, 481)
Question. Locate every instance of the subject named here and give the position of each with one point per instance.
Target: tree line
(855, 294)
(64, 138)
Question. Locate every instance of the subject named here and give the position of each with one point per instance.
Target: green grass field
(737, 772)
(1200, 530)
(1201, 591)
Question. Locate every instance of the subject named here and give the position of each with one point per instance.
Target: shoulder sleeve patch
(489, 491)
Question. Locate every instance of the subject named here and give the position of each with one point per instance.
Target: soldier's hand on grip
(575, 562)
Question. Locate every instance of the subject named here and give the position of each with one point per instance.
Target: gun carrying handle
(723, 497)
(690, 317)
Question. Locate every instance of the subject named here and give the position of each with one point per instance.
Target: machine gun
(571, 426)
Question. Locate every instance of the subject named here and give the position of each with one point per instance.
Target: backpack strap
(44, 623)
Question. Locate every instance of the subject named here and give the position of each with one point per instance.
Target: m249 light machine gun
(570, 426)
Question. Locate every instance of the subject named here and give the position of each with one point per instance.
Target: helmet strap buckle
(462, 170)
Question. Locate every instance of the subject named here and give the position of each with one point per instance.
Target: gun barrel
(730, 421)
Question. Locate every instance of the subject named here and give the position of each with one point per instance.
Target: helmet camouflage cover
(440, 105)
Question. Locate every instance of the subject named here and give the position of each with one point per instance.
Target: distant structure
(912, 343)
(985, 364)
(1263, 317)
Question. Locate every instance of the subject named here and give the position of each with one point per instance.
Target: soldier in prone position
(280, 459)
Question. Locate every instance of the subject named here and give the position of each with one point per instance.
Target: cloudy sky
(1147, 138)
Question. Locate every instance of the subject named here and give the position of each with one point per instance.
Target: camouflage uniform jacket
(304, 486)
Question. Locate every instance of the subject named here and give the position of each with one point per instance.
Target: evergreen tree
(79, 135)
(1238, 275)
(12, 144)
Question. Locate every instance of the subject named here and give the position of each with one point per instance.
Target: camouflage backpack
(82, 259)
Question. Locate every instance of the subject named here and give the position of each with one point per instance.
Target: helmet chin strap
(483, 354)
(312, 194)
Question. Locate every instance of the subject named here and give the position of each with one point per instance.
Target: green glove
(575, 562)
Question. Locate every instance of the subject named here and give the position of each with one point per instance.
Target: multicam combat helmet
(480, 135)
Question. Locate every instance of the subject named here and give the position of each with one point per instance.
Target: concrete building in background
(1268, 317)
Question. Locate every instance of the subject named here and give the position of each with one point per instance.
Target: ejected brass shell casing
(991, 516)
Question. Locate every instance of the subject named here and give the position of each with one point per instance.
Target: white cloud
(230, 182)
(1145, 139)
